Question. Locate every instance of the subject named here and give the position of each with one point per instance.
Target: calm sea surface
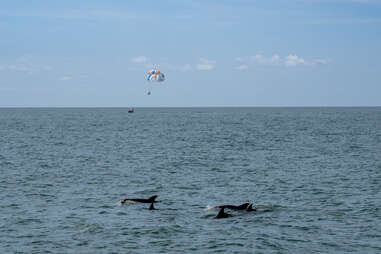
(313, 173)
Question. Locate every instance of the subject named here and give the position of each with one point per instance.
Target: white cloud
(139, 59)
(291, 60)
(274, 60)
(205, 65)
(25, 67)
(20, 67)
(27, 64)
(242, 67)
(294, 60)
(165, 66)
(65, 78)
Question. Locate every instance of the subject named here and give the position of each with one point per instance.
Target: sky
(94, 53)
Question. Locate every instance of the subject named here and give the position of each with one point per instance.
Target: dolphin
(140, 200)
(221, 214)
(235, 207)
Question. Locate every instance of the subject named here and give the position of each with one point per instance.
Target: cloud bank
(205, 65)
(290, 60)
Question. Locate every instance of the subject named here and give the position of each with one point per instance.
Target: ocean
(314, 175)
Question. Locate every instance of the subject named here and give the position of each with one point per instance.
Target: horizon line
(95, 107)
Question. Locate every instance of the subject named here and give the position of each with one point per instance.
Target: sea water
(314, 175)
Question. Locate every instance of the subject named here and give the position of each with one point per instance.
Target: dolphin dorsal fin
(152, 199)
(221, 213)
(244, 205)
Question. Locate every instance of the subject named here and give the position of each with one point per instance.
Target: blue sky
(214, 53)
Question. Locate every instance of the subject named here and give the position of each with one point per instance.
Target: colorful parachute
(155, 76)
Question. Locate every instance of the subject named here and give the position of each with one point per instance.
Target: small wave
(125, 203)
(210, 208)
(91, 228)
(208, 216)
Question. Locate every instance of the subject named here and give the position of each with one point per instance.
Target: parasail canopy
(155, 76)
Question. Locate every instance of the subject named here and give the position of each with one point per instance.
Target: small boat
(131, 110)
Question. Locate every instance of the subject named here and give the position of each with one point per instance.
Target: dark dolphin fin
(151, 207)
(243, 206)
(221, 214)
(152, 199)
